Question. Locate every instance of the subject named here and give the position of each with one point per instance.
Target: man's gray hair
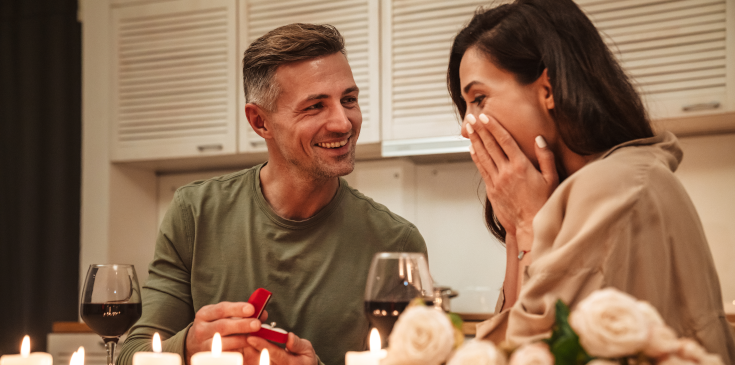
(286, 44)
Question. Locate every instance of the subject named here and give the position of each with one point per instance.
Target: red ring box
(259, 299)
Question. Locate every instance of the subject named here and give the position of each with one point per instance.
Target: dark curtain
(40, 168)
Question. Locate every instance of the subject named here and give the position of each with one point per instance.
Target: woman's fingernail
(469, 129)
(484, 118)
(472, 150)
(540, 142)
(471, 118)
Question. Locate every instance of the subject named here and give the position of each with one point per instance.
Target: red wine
(111, 320)
(383, 316)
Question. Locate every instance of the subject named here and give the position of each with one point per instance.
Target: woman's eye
(478, 99)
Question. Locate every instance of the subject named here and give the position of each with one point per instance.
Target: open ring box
(259, 299)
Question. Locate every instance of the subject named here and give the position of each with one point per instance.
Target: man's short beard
(318, 172)
(332, 173)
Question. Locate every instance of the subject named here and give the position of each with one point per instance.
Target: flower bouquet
(608, 327)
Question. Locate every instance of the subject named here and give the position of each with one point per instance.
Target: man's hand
(227, 318)
(298, 351)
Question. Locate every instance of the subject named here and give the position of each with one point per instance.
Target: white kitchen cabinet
(415, 43)
(680, 55)
(357, 21)
(174, 79)
(177, 79)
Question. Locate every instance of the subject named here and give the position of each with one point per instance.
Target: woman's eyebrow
(471, 84)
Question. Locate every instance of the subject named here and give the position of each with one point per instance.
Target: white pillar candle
(371, 357)
(26, 357)
(156, 357)
(216, 357)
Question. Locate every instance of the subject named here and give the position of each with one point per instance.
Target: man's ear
(258, 119)
(546, 92)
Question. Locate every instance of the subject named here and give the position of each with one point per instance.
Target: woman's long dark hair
(595, 105)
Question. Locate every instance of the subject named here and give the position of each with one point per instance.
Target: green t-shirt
(220, 240)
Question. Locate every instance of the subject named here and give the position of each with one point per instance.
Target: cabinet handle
(257, 144)
(701, 106)
(214, 147)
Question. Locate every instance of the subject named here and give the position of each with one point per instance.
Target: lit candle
(156, 357)
(217, 357)
(77, 358)
(26, 357)
(371, 357)
(265, 358)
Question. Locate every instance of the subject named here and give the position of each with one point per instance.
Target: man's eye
(349, 100)
(478, 99)
(315, 106)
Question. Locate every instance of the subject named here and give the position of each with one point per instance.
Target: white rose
(675, 360)
(691, 350)
(536, 353)
(603, 362)
(477, 352)
(610, 324)
(422, 335)
(662, 341)
(712, 359)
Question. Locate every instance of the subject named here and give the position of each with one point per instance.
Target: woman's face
(523, 110)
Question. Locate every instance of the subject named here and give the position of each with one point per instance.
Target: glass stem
(110, 346)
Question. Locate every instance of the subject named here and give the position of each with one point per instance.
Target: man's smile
(336, 144)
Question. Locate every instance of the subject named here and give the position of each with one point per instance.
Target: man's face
(317, 118)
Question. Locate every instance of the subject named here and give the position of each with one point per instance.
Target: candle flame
(265, 358)
(77, 358)
(156, 342)
(217, 344)
(25, 346)
(375, 341)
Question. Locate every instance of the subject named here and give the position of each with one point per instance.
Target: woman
(579, 188)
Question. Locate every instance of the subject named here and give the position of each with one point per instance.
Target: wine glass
(394, 279)
(111, 302)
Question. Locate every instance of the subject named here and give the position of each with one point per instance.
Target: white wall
(708, 173)
(444, 200)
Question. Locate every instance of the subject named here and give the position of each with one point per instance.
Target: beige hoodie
(625, 221)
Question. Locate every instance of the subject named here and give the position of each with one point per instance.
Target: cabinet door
(174, 79)
(356, 20)
(415, 43)
(674, 51)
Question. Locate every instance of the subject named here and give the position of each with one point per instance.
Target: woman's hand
(516, 189)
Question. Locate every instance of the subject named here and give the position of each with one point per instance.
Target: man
(291, 225)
